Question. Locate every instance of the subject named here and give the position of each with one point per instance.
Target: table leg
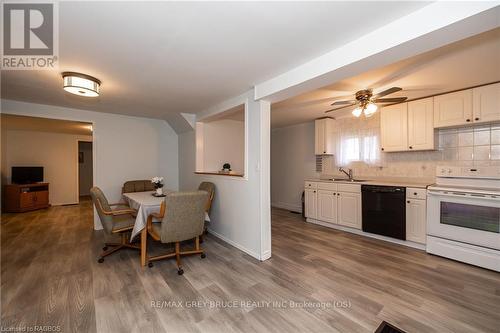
(144, 235)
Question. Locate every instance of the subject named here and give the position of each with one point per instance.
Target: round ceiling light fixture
(81, 84)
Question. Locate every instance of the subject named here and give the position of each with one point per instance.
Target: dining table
(145, 203)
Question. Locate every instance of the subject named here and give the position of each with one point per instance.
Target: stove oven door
(471, 218)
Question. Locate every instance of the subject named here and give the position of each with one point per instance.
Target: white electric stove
(463, 215)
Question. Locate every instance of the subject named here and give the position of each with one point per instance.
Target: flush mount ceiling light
(81, 84)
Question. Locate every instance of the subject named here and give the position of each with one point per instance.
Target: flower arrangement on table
(158, 184)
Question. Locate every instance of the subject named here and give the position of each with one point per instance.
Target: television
(27, 175)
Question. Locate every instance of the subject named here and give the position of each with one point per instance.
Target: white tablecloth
(145, 204)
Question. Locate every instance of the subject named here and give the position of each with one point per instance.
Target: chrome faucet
(348, 173)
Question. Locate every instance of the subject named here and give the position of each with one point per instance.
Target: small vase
(159, 191)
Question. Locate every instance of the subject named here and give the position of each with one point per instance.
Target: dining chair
(182, 217)
(142, 185)
(114, 221)
(210, 188)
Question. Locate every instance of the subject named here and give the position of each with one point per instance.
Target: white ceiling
(158, 59)
(470, 62)
(24, 123)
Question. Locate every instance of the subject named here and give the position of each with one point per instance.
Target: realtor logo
(29, 35)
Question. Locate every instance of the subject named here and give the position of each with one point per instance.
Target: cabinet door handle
(324, 152)
(338, 193)
(414, 193)
(411, 147)
(408, 201)
(382, 149)
(467, 120)
(314, 191)
(476, 119)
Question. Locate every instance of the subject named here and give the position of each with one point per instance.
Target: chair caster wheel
(150, 264)
(100, 260)
(180, 271)
(203, 256)
(105, 248)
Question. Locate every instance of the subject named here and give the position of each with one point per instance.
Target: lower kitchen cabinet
(310, 203)
(327, 206)
(342, 206)
(416, 220)
(349, 209)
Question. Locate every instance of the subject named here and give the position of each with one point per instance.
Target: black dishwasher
(384, 210)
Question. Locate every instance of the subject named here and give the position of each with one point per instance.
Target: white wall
(85, 173)
(292, 161)
(57, 153)
(124, 147)
(224, 141)
(241, 212)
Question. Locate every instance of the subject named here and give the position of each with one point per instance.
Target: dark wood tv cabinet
(25, 197)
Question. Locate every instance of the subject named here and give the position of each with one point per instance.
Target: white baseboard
(236, 245)
(287, 206)
(367, 234)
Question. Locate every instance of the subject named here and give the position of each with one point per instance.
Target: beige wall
(85, 175)
(224, 142)
(57, 153)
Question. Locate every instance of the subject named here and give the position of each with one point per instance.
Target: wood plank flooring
(49, 276)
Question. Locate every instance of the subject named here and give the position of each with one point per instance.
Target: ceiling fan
(367, 102)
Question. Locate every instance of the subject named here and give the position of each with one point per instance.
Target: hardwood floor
(50, 277)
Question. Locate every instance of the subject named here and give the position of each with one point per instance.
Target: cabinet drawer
(310, 185)
(416, 193)
(353, 188)
(327, 186)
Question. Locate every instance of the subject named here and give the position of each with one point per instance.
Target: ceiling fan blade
(343, 102)
(388, 92)
(390, 100)
(343, 107)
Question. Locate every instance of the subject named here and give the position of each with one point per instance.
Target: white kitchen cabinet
(394, 128)
(486, 103)
(349, 209)
(334, 203)
(415, 218)
(310, 203)
(324, 143)
(421, 133)
(453, 109)
(327, 206)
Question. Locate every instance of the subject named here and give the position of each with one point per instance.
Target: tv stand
(25, 197)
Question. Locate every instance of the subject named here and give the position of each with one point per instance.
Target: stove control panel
(492, 172)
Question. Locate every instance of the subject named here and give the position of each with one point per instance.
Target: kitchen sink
(347, 180)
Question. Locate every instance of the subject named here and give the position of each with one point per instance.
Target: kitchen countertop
(417, 183)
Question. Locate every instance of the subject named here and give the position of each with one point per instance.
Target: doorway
(85, 169)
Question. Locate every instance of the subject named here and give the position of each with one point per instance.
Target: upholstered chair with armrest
(114, 221)
(210, 188)
(137, 186)
(182, 217)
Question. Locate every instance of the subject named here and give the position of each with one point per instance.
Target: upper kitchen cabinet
(453, 109)
(394, 127)
(408, 126)
(421, 133)
(324, 136)
(486, 103)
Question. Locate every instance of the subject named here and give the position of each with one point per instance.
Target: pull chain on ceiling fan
(367, 102)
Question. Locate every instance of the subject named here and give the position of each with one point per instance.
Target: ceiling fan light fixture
(81, 84)
(370, 109)
(357, 111)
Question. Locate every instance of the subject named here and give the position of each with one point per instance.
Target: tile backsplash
(467, 146)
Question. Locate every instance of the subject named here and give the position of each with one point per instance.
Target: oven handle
(464, 195)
